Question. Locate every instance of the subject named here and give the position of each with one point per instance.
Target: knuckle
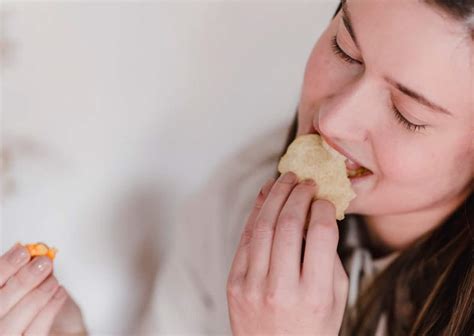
(16, 282)
(324, 231)
(22, 279)
(233, 289)
(288, 221)
(278, 298)
(260, 201)
(251, 295)
(273, 298)
(322, 205)
(281, 187)
(263, 227)
(246, 237)
(47, 286)
(6, 267)
(279, 294)
(321, 305)
(265, 189)
(36, 298)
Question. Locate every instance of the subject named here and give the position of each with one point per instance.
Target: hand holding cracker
(283, 279)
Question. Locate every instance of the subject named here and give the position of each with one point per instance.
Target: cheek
(402, 164)
(402, 157)
(414, 163)
(322, 74)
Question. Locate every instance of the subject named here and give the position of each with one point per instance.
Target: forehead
(411, 42)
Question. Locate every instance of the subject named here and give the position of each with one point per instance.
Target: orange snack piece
(41, 249)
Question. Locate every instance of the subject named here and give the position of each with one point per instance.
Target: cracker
(309, 156)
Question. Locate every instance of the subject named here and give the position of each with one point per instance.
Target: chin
(353, 208)
(358, 207)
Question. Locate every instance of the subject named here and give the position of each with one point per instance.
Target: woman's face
(349, 102)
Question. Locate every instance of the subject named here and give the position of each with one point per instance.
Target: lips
(353, 167)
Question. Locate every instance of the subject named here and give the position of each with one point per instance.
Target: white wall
(113, 112)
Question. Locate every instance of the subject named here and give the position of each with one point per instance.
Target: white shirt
(190, 290)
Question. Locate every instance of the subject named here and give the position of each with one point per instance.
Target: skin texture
(420, 177)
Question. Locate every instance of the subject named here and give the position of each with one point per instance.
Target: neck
(389, 233)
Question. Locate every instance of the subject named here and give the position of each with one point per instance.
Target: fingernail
(48, 285)
(309, 182)
(40, 265)
(289, 177)
(60, 293)
(17, 255)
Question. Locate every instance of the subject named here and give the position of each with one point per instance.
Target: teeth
(357, 172)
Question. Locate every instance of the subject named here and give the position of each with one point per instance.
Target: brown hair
(429, 288)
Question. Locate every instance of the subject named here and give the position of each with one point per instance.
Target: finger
(12, 261)
(240, 262)
(341, 289)
(321, 248)
(27, 278)
(285, 262)
(42, 323)
(21, 315)
(341, 282)
(263, 229)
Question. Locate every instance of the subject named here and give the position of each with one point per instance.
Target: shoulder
(209, 222)
(237, 179)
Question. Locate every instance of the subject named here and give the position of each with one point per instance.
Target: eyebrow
(346, 19)
(418, 97)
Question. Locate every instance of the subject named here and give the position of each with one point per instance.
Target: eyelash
(400, 118)
(340, 53)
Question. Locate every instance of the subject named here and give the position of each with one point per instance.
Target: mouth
(354, 169)
(358, 172)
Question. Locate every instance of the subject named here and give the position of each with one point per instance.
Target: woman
(411, 213)
(389, 85)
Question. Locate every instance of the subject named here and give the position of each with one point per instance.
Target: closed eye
(402, 120)
(340, 53)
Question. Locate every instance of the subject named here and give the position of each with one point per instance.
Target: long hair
(429, 288)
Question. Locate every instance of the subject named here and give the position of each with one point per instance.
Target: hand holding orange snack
(32, 301)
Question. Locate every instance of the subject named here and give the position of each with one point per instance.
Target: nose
(350, 115)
